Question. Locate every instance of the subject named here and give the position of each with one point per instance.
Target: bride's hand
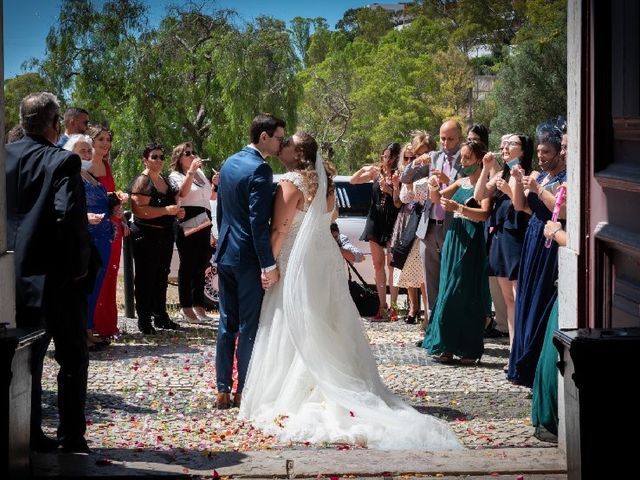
(270, 278)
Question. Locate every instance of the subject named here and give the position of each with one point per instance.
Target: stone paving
(155, 395)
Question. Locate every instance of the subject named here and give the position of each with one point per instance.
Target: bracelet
(190, 174)
(553, 234)
(433, 189)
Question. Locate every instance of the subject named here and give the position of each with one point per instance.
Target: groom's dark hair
(265, 122)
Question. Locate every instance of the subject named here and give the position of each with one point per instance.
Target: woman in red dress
(106, 314)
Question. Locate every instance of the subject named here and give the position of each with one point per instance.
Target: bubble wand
(556, 211)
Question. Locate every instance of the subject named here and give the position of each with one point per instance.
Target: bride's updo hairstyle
(306, 144)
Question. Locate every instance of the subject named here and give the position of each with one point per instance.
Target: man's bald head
(450, 136)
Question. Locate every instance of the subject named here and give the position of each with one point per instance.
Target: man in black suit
(54, 266)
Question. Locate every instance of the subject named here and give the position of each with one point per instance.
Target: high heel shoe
(381, 316)
(201, 313)
(188, 314)
(393, 315)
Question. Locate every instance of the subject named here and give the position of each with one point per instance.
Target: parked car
(353, 205)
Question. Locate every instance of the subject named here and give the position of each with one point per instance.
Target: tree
(15, 89)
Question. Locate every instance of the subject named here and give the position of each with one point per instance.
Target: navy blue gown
(536, 293)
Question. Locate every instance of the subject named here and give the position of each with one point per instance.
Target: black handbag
(365, 298)
(402, 248)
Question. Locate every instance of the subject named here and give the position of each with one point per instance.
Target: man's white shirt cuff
(269, 269)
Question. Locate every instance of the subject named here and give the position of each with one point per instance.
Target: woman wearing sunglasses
(154, 215)
(193, 242)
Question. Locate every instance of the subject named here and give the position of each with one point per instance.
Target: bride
(312, 375)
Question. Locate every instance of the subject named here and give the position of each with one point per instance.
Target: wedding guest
(100, 226)
(385, 203)
(194, 248)
(47, 231)
(535, 194)
(154, 215)
(456, 325)
(348, 250)
(479, 133)
(506, 225)
(105, 321)
(444, 163)
(544, 401)
(411, 273)
(76, 120)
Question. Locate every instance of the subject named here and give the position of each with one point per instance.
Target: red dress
(105, 319)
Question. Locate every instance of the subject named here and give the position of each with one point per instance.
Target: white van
(353, 205)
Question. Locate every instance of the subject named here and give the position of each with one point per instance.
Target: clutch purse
(195, 224)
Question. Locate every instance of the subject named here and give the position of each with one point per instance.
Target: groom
(244, 257)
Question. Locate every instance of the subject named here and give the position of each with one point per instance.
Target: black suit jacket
(46, 221)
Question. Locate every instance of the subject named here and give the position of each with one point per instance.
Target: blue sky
(27, 22)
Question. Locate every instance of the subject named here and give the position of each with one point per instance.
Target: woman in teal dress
(457, 323)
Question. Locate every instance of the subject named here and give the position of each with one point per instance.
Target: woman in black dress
(154, 216)
(385, 203)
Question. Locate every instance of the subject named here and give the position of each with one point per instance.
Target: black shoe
(78, 445)
(43, 444)
(167, 324)
(146, 328)
(410, 319)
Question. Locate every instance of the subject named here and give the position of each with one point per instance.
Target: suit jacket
(46, 219)
(416, 172)
(243, 211)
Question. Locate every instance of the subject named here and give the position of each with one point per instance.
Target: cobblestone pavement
(158, 392)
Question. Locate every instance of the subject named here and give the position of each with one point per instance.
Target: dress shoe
(223, 401)
(166, 323)
(76, 445)
(146, 328)
(237, 398)
(43, 444)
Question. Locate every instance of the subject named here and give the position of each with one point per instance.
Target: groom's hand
(270, 278)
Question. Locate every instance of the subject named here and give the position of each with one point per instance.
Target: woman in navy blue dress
(538, 271)
(506, 227)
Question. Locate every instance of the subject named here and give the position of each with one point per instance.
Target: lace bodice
(298, 181)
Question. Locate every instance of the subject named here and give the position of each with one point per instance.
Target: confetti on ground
(158, 393)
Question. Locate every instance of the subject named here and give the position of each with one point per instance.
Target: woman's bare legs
(508, 288)
(378, 258)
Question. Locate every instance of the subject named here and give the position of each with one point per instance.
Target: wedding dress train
(312, 376)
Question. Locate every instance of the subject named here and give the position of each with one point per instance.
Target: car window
(352, 200)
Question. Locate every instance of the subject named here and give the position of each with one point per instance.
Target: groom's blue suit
(244, 249)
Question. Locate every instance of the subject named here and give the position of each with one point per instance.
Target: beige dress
(411, 275)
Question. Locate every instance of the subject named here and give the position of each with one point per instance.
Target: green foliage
(201, 76)
(15, 89)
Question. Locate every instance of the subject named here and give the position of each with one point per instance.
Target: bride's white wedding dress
(312, 375)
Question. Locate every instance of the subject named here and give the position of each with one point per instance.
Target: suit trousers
(152, 251)
(431, 253)
(195, 256)
(66, 323)
(241, 294)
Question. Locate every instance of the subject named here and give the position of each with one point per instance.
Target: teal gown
(544, 403)
(458, 320)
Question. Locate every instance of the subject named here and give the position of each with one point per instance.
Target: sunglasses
(188, 153)
(411, 159)
(156, 157)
